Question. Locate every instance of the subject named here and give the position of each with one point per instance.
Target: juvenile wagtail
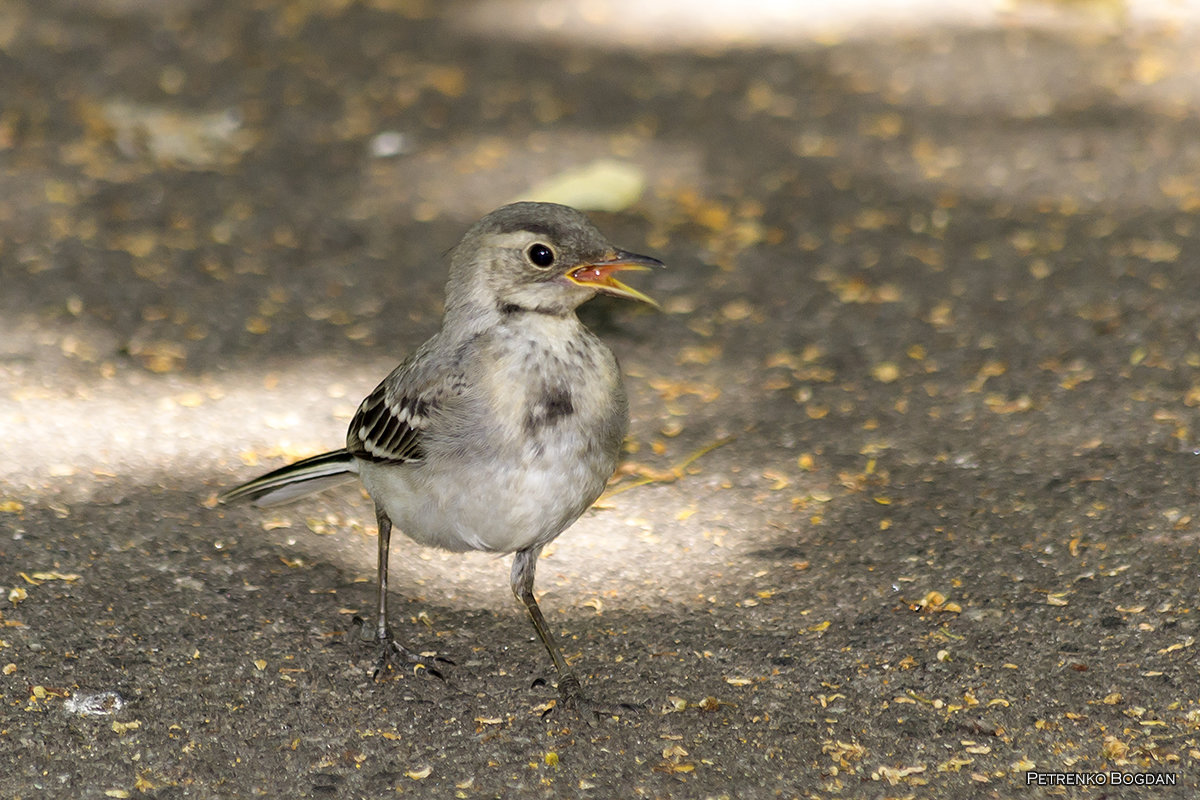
(504, 427)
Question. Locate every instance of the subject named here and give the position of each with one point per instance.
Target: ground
(910, 505)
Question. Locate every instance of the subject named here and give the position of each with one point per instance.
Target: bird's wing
(427, 391)
(389, 424)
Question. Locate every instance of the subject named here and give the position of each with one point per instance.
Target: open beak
(599, 275)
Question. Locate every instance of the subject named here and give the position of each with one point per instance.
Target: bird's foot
(572, 698)
(391, 651)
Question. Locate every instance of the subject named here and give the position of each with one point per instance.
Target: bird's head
(540, 257)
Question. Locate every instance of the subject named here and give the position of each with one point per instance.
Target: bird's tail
(288, 483)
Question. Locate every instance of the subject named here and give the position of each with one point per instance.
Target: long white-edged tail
(314, 474)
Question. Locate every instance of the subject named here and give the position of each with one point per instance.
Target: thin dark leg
(524, 565)
(388, 646)
(385, 539)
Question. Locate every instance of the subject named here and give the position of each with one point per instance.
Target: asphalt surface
(910, 507)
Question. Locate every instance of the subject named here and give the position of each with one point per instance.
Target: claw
(391, 651)
(571, 697)
(571, 692)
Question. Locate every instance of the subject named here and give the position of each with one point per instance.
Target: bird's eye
(540, 255)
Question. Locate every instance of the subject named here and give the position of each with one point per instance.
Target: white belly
(493, 506)
(521, 452)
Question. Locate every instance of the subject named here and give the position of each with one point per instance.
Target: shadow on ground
(931, 291)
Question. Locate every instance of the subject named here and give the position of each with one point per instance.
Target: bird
(504, 427)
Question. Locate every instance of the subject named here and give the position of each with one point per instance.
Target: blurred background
(909, 492)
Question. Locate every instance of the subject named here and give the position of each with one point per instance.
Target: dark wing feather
(426, 391)
(387, 428)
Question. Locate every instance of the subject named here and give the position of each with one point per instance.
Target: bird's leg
(569, 686)
(389, 648)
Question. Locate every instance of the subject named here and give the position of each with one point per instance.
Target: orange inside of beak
(600, 277)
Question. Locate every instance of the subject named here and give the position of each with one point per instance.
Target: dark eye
(540, 255)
